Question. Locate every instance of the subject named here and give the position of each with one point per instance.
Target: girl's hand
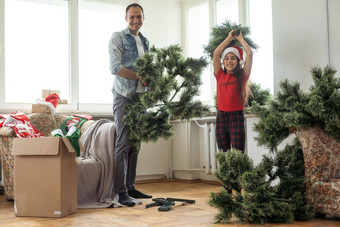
(231, 35)
(238, 37)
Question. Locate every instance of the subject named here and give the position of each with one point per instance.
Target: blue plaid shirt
(123, 53)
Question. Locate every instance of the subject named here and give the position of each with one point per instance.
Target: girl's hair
(244, 89)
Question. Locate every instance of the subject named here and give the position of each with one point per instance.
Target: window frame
(186, 6)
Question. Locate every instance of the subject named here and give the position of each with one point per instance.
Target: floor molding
(179, 180)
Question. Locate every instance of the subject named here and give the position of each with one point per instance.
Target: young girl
(232, 91)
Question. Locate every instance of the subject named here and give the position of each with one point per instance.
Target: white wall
(300, 38)
(334, 38)
(163, 22)
(155, 160)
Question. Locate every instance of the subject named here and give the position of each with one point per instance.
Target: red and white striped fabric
(21, 125)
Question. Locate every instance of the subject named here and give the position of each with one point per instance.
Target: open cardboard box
(45, 182)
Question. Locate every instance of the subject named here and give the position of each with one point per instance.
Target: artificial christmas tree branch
(294, 108)
(220, 32)
(262, 201)
(173, 84)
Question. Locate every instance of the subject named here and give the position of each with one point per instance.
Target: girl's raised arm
(249, 58)
(218, 51)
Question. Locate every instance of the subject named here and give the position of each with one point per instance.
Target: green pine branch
(173, 84)
(258, 94)
(262, 201)
(294, 108)
(220, 32)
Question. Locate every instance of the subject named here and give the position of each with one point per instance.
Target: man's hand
(145, 84)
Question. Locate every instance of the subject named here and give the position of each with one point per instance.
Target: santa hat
(235, 50)
(53, 98)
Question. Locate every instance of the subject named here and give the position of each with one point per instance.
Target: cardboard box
(45, 182)
(40, 108)
(62, 101)
(45, 93)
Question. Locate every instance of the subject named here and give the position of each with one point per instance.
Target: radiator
(210, 147)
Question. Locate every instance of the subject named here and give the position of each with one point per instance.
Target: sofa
(322, 170)
(46, 123)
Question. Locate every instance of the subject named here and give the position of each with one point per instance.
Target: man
(124, 48)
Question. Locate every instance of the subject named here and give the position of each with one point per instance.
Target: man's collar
(127, 32)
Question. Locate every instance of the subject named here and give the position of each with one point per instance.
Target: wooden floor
(198, 214)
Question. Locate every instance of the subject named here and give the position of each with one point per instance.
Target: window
(39, 39)
(198, 32)
(227, 10)
(262, 34)
(198, 36)
(97, 21)
(36, 49)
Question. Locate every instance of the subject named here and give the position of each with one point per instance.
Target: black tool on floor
(165, 204)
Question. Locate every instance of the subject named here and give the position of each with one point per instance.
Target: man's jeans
(125, 158)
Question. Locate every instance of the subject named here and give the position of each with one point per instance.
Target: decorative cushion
(44, 122)
(60, 118)
(85, 125)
